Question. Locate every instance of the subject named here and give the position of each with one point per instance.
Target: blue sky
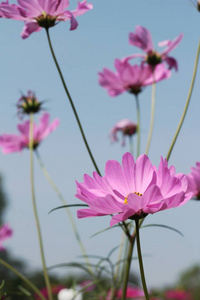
(101, 37)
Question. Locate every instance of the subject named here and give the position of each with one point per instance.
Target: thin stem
(60, 196)
(138, 125)
(137, 226)
(31, 141)
(71, 102)
(153, 104)
(186, 105)
(117, 270)
(26, 280)
(131, 241)
(127, 268)
(131, 145)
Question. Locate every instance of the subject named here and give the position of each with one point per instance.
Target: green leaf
(163, 226)
(69, 205)
(108, 228)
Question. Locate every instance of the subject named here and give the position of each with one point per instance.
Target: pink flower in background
(131, 292)
(133, 190)
(38, 14)
(5, 233)
(126, 127)
(15, 143)
(55, 290)
(194, 181)
(128, 78)
(87, 285)
(141, 38)
(177, 295)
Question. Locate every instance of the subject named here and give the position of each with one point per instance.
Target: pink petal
(30, 27)
(172, 44)
(141, 39)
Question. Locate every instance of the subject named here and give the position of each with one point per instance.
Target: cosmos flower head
(130, 78)
(141, 38)
(194, 181)
(126, 127)
(177, 295)
(38, 14)
(133, 190)
(131, 293)
(28, 104)
(5, 233)
(15, 143)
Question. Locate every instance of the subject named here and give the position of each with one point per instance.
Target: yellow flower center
(44, 13)
(126, 198)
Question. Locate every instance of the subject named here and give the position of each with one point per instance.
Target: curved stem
(31, 141)
(138, 125)
(26, 280)
(137, 226)
(153, 104)
(60, 196)
(71, 102)
(186, 105)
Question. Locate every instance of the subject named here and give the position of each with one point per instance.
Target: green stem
(137, 226)
(71, 102)
(131, 145)
(186, 105)
(153, 104)
(127, 268)
(60, 196)
(31, 142)
(138, 125)
(28, 282)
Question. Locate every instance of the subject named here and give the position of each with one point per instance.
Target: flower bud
(28, 104)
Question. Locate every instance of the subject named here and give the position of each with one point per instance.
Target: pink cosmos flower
(15, 143)
(38, 14)
(131, 292)
(130, 78)
(55, 290)
(87, 285)
(126, 127)
(177, 295)
(194, 181)
(141, 38)
(133, 190)
(5, 233)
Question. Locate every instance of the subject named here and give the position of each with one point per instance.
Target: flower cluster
(133, 190)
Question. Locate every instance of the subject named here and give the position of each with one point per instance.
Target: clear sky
(101, 37)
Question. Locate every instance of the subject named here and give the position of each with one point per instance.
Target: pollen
(44, 13)
(139, 194)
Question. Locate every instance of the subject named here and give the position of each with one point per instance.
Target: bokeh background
(101, 37)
